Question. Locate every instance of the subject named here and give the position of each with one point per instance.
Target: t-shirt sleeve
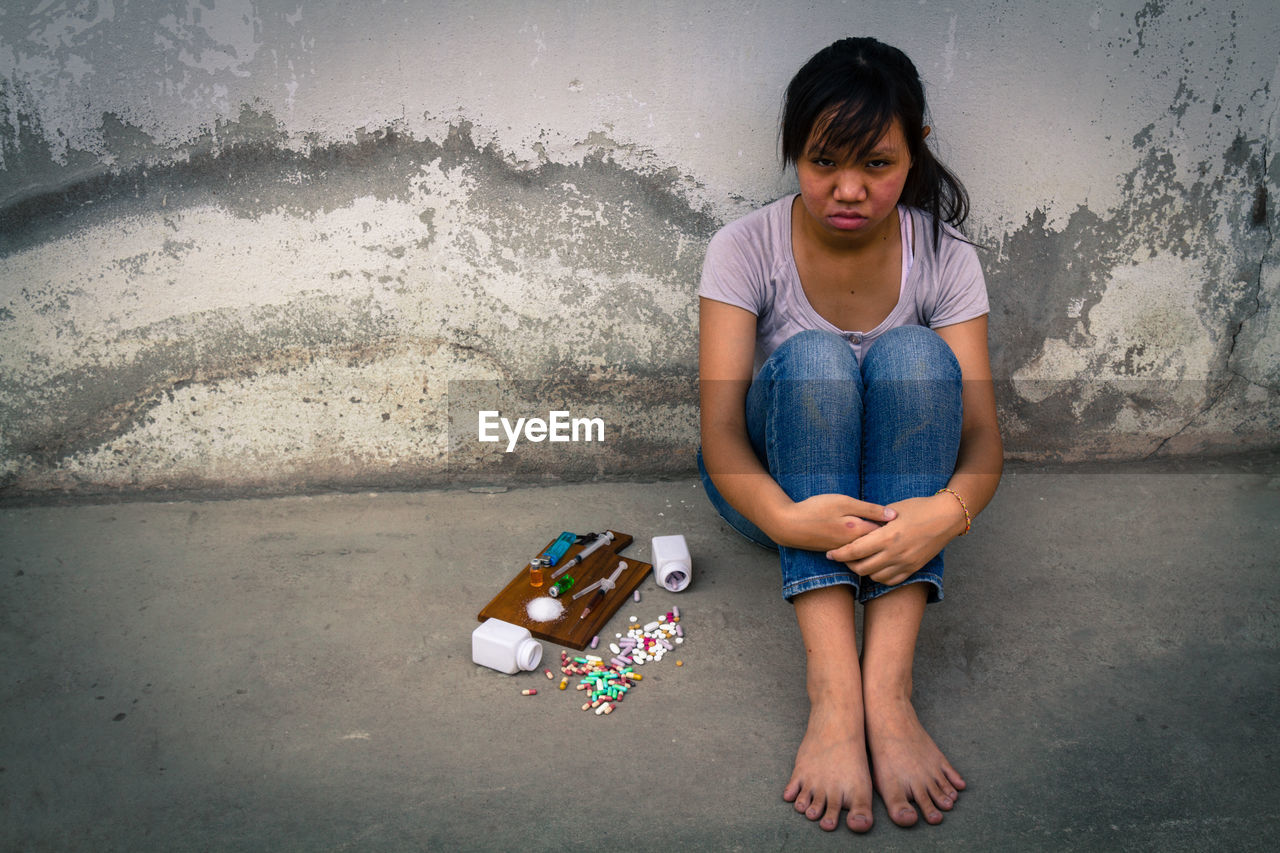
(732, 270)
(962, 289)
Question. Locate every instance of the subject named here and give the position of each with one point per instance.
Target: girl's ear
(925, 135)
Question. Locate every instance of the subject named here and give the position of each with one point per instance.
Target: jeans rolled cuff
(875, 590)
(791, 590)
(872, 590)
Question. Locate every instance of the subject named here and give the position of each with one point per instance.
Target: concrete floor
(295, 673)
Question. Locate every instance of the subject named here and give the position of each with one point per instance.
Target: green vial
(563, 585)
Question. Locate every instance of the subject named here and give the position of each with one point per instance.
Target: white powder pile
(544, 609)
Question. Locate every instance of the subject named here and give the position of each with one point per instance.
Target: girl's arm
(725, 360)
(925, 525)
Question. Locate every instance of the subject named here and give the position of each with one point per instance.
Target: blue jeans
(884, 430)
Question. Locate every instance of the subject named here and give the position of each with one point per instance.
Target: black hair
(853, 90)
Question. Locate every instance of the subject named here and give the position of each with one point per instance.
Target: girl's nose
(850, 187)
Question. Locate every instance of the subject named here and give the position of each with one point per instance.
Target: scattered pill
(595, 641)
(530, 692)
(636, 596)
(606, 684)
(549, 675)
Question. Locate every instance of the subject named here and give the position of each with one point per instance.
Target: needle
(602, 539)
(602, 588)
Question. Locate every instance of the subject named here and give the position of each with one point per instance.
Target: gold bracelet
(968, 519)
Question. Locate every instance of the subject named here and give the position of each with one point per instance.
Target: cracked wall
(267, 246)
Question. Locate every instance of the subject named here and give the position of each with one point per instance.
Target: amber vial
(535, 572)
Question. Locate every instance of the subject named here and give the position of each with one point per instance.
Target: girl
(848, 414)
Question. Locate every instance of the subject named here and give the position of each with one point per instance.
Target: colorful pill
(530, 692)
(564, 682)
(595, 641)
(636, 596)
(675, 611)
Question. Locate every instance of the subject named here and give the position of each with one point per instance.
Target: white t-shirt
(750, 264)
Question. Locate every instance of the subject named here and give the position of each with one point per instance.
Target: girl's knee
(817, 354)
(912, 351)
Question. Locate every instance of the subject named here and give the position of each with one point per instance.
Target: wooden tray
(568, 629)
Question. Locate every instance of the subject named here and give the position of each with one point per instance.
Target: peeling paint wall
(258, 245)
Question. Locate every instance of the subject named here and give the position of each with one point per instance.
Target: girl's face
(851, 199)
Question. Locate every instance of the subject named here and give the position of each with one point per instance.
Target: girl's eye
(823, 162)
(879, 164)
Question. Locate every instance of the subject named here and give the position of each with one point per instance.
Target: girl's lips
(846, 220)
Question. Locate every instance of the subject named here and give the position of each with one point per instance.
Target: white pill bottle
(505, 647)
(671, 564)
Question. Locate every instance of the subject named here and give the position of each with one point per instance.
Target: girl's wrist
(964, 520)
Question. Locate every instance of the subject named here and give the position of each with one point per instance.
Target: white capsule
(652, 626)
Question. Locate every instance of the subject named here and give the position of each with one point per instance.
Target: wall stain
(1043, 283)
(613, 232)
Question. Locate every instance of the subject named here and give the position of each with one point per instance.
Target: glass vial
(505, 647)
(561, 586)
(671, 564)
(535, 572)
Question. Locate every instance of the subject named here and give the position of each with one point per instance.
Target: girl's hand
(829, 521)
(890, 554)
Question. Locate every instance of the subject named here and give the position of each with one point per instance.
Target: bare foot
(907, 765)
(831, 770)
